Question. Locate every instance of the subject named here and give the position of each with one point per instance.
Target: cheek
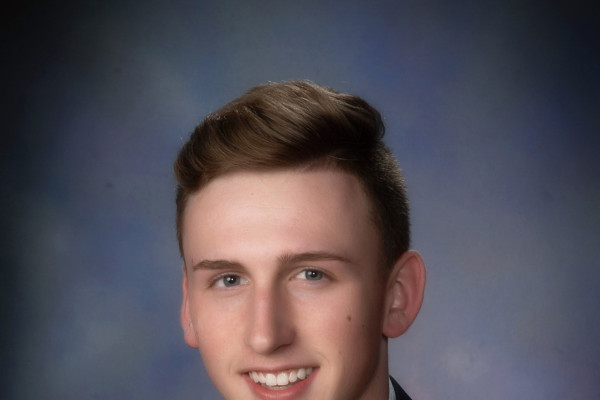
(345, 319)
(216, 323)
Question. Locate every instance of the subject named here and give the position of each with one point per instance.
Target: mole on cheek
(348, 317)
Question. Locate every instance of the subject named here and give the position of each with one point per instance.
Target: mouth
(280, 380)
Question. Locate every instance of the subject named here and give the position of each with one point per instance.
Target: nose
(270, 324)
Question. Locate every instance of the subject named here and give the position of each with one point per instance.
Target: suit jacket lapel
(400, 393)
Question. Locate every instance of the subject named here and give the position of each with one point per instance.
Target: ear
(404, 293)
(189, 334)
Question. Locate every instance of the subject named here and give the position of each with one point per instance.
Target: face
(283, 293)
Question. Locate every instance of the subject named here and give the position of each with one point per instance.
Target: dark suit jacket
(400, 393)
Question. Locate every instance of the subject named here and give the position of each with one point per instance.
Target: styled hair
(298, 124)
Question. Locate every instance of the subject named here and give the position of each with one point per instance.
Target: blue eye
(230, 281)
(312, 275)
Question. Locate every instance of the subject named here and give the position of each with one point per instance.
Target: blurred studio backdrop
(491, 109)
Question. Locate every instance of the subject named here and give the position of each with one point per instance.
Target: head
(299, 125)
(292, 221)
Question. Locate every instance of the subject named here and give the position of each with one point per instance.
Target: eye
(311, 275)
(230, 281)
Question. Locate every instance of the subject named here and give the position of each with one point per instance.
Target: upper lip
(284, 368)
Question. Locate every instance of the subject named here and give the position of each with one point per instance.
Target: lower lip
(292, 392)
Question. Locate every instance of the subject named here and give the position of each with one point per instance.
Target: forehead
(302, 207)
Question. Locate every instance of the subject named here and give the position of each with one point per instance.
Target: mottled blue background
(492, 109)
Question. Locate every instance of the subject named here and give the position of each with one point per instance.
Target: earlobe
(189, 334)
(404, 296)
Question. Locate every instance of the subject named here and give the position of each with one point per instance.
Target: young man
(293, 225)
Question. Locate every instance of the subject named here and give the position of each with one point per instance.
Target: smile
(280, 380)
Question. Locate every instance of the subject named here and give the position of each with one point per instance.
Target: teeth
(293, 376)
(301, 373)
(281, 378)
(271, 380)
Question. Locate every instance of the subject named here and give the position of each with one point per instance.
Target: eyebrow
(216, 265)
(310, 256)
(283, 260)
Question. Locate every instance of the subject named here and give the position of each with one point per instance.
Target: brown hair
(299, 125)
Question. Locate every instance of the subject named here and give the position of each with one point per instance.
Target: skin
(281, 271)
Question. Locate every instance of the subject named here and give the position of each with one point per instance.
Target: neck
(379, 382)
